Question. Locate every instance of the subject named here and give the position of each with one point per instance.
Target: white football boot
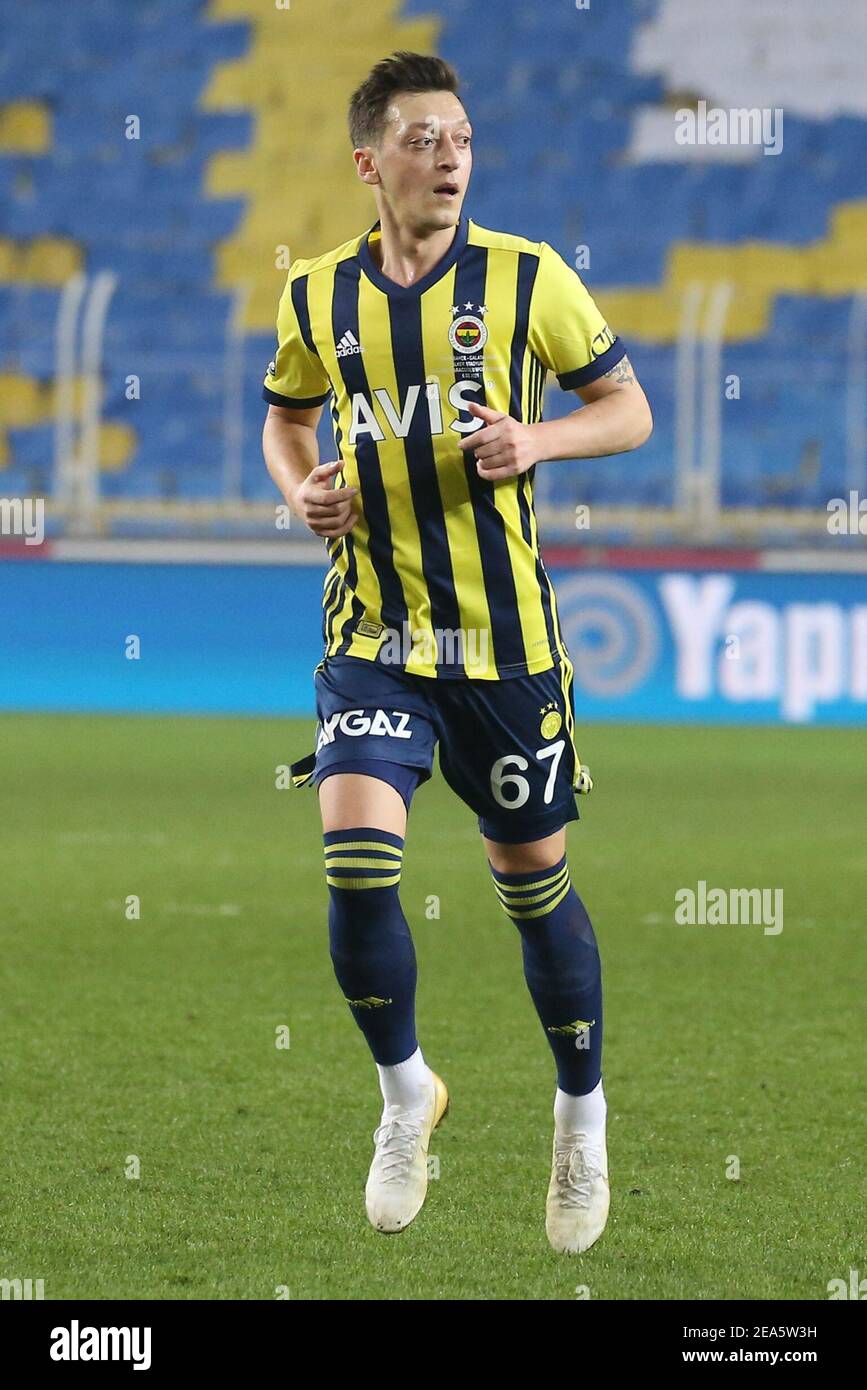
(578, 1193)
(397, 1181)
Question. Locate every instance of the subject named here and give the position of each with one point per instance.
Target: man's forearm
(613, 425)
(291, 453)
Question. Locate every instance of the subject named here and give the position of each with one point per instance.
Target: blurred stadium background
(161, 164)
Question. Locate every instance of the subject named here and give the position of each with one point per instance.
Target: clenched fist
(325, 509)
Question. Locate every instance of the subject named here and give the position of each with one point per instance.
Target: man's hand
(615, 418)
(504, 448)
(326, 509)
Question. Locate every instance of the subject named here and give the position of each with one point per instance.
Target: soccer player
(433, 337)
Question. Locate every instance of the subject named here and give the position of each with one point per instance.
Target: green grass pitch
(153, 1040)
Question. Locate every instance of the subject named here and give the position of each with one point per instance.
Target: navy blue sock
(371, 945)
(561, 967)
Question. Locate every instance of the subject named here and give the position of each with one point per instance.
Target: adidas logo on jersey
(348, 344)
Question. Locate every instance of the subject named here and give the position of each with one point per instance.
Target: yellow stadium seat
(49, 260)
(117, 443)
(44, 261)
(23, 402)
(25, 128)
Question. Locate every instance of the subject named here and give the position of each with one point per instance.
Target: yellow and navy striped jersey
(441, 573)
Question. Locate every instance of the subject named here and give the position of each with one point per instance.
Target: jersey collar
(383, 283)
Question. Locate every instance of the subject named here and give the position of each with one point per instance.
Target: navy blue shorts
(505, 747)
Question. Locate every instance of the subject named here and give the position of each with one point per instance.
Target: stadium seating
(242, 151)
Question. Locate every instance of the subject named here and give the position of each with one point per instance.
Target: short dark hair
(402, 72)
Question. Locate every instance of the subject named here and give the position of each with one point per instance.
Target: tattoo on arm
(622, 373)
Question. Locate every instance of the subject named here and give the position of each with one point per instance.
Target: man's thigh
(372, 723)
(506, 749)
(351, 799)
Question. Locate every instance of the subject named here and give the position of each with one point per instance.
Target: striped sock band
(362, 858)
(524, 896)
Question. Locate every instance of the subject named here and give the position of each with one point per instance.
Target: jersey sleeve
(567, 331)
(296, 377)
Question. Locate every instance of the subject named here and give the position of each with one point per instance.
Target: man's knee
(528, 857)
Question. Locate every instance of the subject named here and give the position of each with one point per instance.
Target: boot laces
(576, 1169)
(396, 1144)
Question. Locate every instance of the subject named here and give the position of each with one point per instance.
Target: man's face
(422, 163)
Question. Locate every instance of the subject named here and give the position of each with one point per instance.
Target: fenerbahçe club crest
(552, 721)
(468, 334)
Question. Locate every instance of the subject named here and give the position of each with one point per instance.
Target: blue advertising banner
(662, 645)
(743, 646)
